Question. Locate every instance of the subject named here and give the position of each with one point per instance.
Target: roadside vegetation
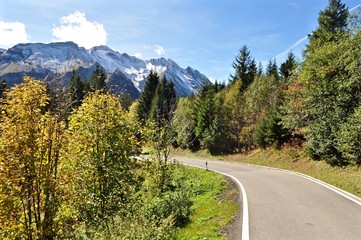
(213, 206)
(68, 169)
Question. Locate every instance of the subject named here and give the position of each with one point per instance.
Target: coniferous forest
(69, 165)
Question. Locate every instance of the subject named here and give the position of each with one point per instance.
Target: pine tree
(164, 102)
(272, 69)
(97, 79)
(260, 69)
(334, 17)
(245, 68)
(206, 110)
(160, 126)
(332, 23)
(288, 66)
(146, 98)
(75, 90)
(2, 88)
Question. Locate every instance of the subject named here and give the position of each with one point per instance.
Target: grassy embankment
(213, 209)
(346, 178)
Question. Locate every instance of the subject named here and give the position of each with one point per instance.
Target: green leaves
(324, 94)
(102, 141)
(349, 138)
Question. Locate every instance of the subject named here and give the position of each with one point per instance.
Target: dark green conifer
(75, 90)
(2, 88)
(164, 102)
(97, 79)
(245, 68)
(288, 66)
(334, 17)
(272, 69)
(260, 69)
(146, 98)
(332, 23)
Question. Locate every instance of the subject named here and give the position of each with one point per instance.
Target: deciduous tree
(102, 143)
(30, 143)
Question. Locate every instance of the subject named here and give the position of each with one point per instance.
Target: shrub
(350, 138)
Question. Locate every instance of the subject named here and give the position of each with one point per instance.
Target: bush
(350, 138)
(270, 131)
(151, 213)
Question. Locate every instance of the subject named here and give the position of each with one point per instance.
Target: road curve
(284, 205)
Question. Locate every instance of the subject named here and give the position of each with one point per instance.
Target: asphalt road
(284, 205)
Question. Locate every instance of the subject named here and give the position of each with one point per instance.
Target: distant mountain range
(55, 62)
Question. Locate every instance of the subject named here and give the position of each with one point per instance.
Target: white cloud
(75, 27)
(159, 50)
(12, 33)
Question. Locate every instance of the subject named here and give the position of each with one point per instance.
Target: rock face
(55, 62)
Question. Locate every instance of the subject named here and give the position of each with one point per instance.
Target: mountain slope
(55, 62)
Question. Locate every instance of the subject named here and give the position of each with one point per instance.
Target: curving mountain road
(284, 205)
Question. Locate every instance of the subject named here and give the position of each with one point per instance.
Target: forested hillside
(313, 104)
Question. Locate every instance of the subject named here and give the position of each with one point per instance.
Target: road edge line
(351, 197)
(245, 213)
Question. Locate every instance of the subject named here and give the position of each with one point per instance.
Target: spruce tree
(206, 110)
(288, 66)
(332, 23)
(334, 17)
(164, 102)
(260, 69)
(75, 90)
(146, 98)
(245, 68)
(97, 79)
(2, 88)
(272, 69)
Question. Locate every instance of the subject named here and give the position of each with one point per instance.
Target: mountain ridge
(55, 62)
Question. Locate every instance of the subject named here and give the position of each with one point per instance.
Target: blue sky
(203, 34)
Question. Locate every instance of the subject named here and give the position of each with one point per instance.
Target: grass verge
(201, 154)
(212, 211)
(346, 178)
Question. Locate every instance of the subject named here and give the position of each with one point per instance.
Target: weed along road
(285, 205)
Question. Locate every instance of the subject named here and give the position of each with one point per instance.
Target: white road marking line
(345, 194)
(245, 214)
(341, 192)
(245, 219)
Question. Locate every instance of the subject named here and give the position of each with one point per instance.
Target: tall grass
(210, 213)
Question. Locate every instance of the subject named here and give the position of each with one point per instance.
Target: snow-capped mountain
(55, 62)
